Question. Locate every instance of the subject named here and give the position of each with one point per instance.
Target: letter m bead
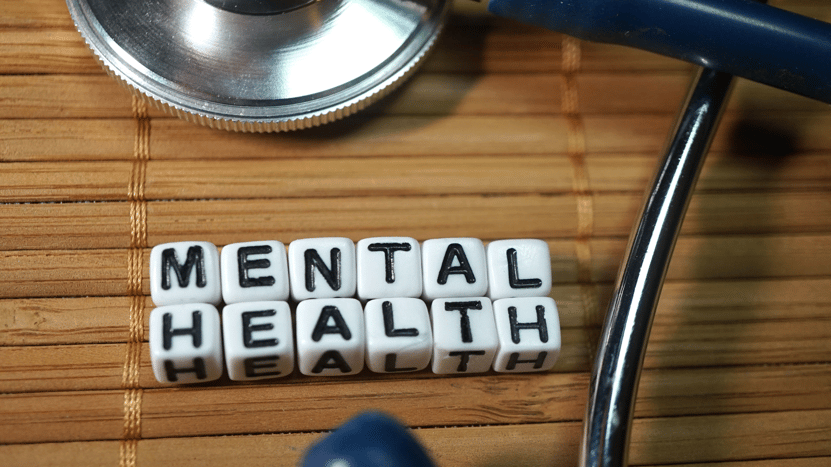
(185, 272)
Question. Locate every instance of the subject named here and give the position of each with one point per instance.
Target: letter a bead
(330, 337)
(453, 267)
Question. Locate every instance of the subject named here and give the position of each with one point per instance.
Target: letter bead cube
(330, 336)
(398, 335)
(388, 267)
(185, 272)
(454, 267)
(529, 334)
(464, 335)
(186, 343)
(254, 271)
(518, 268)
(322, 268)
(259, 340)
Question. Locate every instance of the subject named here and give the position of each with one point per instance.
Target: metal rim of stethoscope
(260, 65)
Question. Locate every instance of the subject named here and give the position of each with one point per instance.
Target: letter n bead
(322, 268)
(185, 272)
(186, 343)
(529, 334)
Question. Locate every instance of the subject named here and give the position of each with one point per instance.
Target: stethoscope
(220, 63)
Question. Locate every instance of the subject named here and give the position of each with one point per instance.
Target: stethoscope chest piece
(260, 65)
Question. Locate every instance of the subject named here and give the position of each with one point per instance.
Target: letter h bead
(529, 334)
(186, 343)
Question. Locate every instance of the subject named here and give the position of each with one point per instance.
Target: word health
(389, 303)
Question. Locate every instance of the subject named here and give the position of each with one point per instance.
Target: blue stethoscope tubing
(745, 38)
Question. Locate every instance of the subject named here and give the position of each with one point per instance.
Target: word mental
(354, 306)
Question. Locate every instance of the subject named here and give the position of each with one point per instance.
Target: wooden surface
(506, 132)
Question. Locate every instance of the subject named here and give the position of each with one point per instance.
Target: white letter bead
(398, 335)
(464, 335)
(322, 268)
(186, 343)
(454, 267)
(518, 268)
(254, 271)
(388, 267)
(330, 336)
(259, 341)
(529, 334)
(185, 272)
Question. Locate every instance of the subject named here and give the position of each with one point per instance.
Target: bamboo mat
(507, 131)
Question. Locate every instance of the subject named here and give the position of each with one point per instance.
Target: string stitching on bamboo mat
(135, 261)
(571, 58)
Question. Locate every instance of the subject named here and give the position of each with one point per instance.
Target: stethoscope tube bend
(745, 38)
(617, 368)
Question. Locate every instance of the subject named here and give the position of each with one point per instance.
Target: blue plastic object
(742, 37)
(369, 440)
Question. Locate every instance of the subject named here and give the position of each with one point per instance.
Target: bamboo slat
(64, 320)
(296, 406)
(84, 454)
(34, 14)
(731, 437)
(98, 96)
(555, 446)
(400, 176)
(71, 273)
(767, 134)
(655, 441)
(81, 225)
(51, 140)
(797, 462)
(24, 51)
